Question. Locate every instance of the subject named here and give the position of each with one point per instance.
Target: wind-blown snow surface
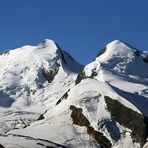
(119, 72)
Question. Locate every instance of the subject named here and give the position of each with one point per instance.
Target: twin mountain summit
(48, 99)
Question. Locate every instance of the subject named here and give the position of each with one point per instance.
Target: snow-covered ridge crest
(117, 48)
(47, 43)
(124, 58)
(50, 44)
(118, 56)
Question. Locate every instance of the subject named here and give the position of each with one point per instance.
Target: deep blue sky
(81, 27)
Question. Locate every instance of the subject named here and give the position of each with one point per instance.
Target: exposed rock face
(1, 146)
(50, 74)
(80, 76)
(94, 73)
(63, 97)
(79, 119)
(41, 117)
(102, 140)
(129, 118)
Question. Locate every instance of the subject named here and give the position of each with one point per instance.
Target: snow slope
(32, 78)
(105, 105)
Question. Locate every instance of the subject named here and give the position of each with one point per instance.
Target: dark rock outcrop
(102, 140)
(1, 146)
(41, 117)
(80, 76)
(129, 118)
(94, 73)
(79, 119)
(50, 74)
(63, 97)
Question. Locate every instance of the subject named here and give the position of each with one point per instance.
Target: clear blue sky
(81, 27)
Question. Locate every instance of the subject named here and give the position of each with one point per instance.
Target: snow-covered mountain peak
(53, 53)
(117, 49)
(122, 57)
(32, 68)
(49, 47)
(115, 42)
(48, 43)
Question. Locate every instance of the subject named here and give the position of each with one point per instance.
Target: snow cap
(47, 43)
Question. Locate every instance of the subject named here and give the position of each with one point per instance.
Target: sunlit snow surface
(119, 73)
(24, 91)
